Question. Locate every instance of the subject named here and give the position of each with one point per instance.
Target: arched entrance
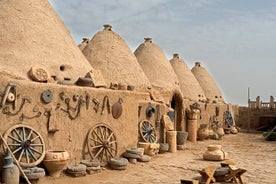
(177, 106)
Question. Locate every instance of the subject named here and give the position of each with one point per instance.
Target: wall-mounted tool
(73, 112)
(106, 102)
(47, 96)
(9, 95)
(117, 109)
(50, 126)
(87, 101)
(96, 104)
(6, 109)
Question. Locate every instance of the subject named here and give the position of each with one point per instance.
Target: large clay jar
(171, 140)
(220, 132)
(10, 172)
(55, 162)
(203, 132)
(215, 153)
(192, 130)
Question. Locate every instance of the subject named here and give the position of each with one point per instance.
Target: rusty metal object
(73, 112)
(106, 102)
(23, 116)
(96, 104)
(87, 101)
(117, 109)
(6, 109)
(10, 90)
(83, 81)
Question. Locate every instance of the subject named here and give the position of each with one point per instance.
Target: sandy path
(248, 151)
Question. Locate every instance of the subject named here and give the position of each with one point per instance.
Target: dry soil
(248, 150)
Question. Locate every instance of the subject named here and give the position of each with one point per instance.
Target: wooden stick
(14, 159)
(270, 132)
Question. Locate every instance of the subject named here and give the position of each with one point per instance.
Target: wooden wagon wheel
(229, 119)
(147, 131)
(102, 143)
(26, 144)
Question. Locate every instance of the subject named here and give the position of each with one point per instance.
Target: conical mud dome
(189, 85)
(207, 83)
(156, 66)
(32, 34)
(108, 52)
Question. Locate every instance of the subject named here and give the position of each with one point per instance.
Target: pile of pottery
(150, 149)
(215, 153)
(134, 154)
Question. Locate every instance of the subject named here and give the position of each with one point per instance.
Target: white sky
(235, 40)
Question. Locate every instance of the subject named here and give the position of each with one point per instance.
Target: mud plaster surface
(248, 151)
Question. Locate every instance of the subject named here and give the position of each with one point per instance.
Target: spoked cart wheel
(102, 143)
(147, 131)
(26, 144)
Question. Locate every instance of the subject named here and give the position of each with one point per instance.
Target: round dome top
(32, 34)
(189, 85)
(207, 83)
(108, 52)
(156, 66)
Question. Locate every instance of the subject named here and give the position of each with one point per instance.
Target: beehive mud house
(94, 100)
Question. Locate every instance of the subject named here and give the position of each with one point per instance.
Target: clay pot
(192, 130)
(233, 130)
(220, 132)
(181, 137)
(149, 148)
(55, 162)
(164, 147)
(215, 153)
(171, 140)
(10, 172)
(203, 132)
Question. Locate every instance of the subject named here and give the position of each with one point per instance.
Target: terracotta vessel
(55, 162)
(171, 140)
(192, 130)
(220, 132)
(203, 132)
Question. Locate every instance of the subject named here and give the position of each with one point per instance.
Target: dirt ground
(248, 150)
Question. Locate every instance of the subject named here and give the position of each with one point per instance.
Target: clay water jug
(10, 173)
(220, 132)
(203, 132)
